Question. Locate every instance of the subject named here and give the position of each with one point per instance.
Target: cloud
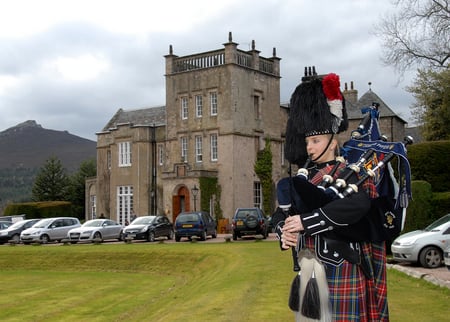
(70, 65)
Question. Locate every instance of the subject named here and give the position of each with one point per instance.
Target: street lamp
(195, 193)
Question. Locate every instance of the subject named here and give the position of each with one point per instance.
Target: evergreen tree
(52, 182)
(77, 190)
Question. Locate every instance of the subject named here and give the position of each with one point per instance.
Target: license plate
(131, 235)
(187, 226)
(240, 223)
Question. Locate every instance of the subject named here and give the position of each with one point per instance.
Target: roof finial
(370, 84)
(253, 44)
(274, 52)
(170, 50)
(230, 37)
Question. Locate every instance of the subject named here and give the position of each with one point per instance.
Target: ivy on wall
(209, 187)
(263, 169)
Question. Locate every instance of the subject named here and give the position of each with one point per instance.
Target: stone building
(198, 151)
(391, 125)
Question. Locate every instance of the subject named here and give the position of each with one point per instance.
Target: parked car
(249, 221)
(195, 223)
(447, 258)
(424, 246)
(49, 229)
(13, 231)
(149, 228)
(96, 229)
(5, 224)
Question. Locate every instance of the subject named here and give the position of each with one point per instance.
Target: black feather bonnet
(317, 107)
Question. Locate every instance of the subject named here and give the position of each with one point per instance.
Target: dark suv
(196, 223)
(249, 221)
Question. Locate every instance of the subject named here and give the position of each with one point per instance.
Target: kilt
(356, 295)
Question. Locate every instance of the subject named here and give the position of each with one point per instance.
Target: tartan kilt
(353, 295)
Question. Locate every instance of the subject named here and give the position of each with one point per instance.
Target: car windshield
(438, 222)
(43, 223)
(17, 224)
(187, 218)
(93, 223)
(144, 220)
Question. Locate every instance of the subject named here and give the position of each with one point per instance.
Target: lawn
(237, 281)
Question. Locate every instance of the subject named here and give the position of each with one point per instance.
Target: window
(198, 105)
(124, 154)
(93, 207)
(213, 147)
(213, 102)
(198, 148)
(257, 194)
(124, 203)
(257, 107)
(283, 160)
(184, 148)
(108, 159)
(160, 154)
(184, 108)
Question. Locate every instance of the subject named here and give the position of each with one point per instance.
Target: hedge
(429, 162)
(42, 209)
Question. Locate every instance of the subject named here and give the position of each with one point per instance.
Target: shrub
(429, 161)
(42, 209)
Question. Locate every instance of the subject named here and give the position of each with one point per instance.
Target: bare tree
(417, 34)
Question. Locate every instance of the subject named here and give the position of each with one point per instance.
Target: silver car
(424, 246)
(49, 229)
(96, 229)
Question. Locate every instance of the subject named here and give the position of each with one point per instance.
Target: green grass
(239, 281)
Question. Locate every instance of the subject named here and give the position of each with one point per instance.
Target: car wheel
(151, 236)
(265, 234)
(203, 236)
(251, 221)
(430, 257)
(45, 239)
(214, 234)
(16, 238)
(177, 238)
(234, 236)
(97, 235)
(170, 236)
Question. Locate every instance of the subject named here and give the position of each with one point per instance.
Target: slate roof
(354, 110)
(151, 116)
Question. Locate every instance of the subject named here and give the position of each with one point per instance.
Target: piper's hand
(289, 240)
(293, 224)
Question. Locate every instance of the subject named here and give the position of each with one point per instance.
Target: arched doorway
(180, 201)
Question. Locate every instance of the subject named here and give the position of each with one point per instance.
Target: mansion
(198, 152)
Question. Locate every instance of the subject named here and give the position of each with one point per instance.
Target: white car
(96, 229)
(424, 246)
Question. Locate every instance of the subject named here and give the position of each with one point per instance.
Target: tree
(77, 189)
(431, 90)
(263, 169)
(418, 33)
(51, 182)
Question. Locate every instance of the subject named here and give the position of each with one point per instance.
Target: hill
(29, 145)
(24, 150)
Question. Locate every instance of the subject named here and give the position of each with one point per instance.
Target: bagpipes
(369, 156)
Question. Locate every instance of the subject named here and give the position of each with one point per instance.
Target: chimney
(350, 95)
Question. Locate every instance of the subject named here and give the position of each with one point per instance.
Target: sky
(70, 65)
